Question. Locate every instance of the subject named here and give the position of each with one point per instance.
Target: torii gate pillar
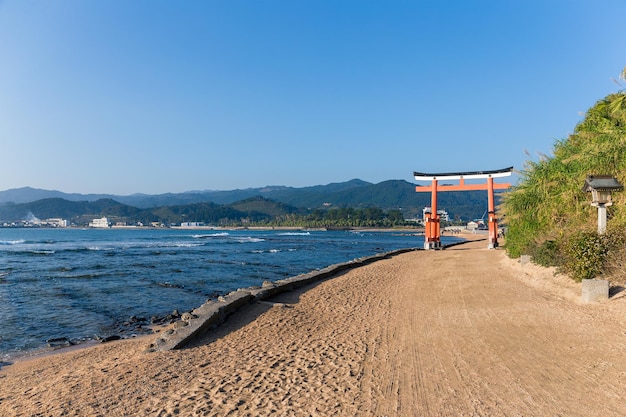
(432, 228)
(432, 231)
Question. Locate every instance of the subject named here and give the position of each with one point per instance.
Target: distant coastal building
(56, 222)
(419, 222)
(191, 224)
(477, 224)
(443, 215)
(100, 223)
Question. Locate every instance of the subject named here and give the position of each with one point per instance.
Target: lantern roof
(602, 183)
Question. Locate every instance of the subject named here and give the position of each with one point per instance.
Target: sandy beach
(460, 332)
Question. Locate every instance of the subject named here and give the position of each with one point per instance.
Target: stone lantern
(601, 187)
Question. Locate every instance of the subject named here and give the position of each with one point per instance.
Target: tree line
(343, 217)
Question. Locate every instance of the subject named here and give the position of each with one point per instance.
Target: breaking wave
(209, 235)
(12, 242)
(295, 234)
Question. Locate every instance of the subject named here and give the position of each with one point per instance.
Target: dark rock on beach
(134, 320)
(168, 319)
(109, 338)
(59, 342)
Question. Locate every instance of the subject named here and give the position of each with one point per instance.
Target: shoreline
(454, 332)
(156, 331)
(62, 336)
(302, 228)
(174, 339)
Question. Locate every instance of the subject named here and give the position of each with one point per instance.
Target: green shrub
(588, 254)
(584, 254)
(547, 253)
(615, 261)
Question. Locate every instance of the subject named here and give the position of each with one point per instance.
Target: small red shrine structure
(432, 230)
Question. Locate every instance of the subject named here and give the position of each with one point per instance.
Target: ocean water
(78, 284)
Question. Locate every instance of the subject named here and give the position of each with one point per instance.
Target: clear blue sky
(152, 96)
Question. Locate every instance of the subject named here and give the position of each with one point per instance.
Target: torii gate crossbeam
(432, 231)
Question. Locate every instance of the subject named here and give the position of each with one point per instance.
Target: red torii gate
(432, 231)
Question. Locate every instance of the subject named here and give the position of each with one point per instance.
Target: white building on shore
(56, 222)
(191, 224)
(102, 223)
(443, 215)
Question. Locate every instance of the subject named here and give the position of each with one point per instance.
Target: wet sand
(465, 331)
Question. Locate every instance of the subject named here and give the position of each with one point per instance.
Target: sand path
(460, 332)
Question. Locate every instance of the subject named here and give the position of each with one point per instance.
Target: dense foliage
(387, 195)
(351, 204)
(256, 211)
(548, 214)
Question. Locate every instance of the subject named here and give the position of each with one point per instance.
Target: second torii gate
(432, 231)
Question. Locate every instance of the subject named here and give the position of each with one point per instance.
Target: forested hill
(288, 195)
(82, 212)
(357, 194)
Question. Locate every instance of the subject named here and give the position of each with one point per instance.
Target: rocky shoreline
(176, 329)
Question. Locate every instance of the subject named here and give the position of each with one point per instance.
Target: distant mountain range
(392, 194)
(300, 197)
